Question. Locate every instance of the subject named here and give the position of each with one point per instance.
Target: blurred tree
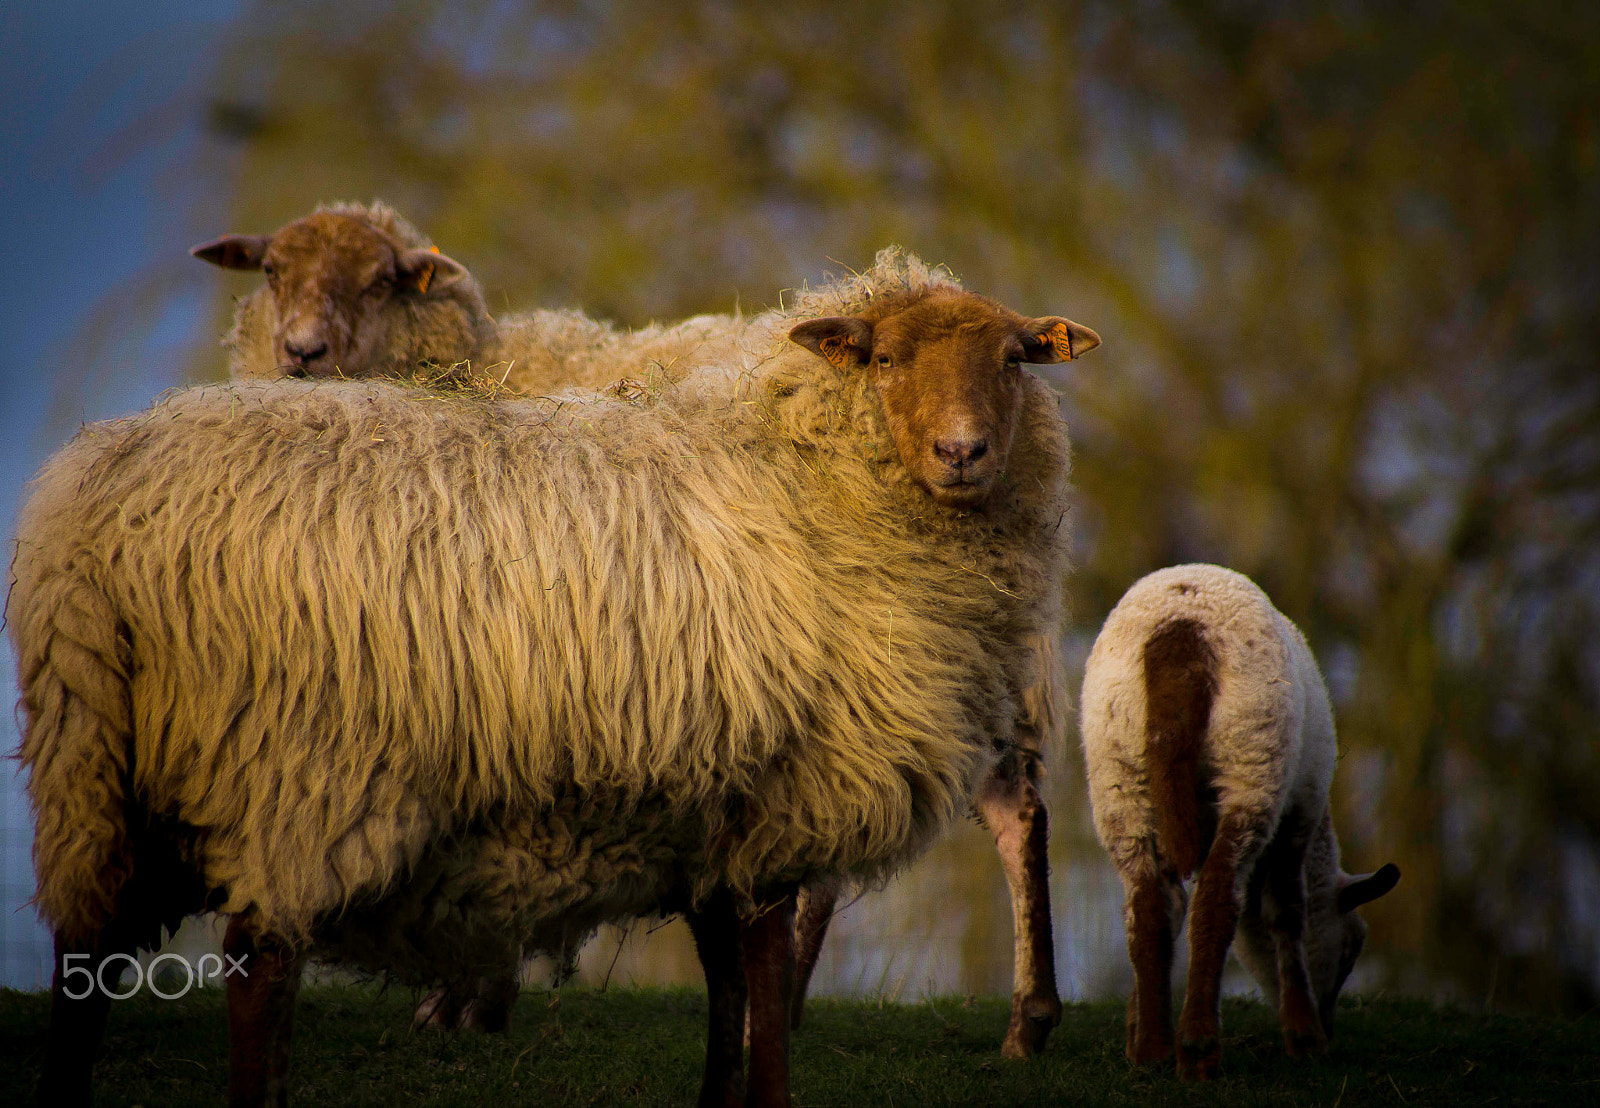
(1347, 263)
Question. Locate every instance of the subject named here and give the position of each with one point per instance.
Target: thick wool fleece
(1270, 744)
(393, 662)
(551, 351)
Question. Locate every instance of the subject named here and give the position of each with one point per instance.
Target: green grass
(643, 1046)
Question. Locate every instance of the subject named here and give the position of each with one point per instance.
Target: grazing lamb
(405, 680)
(354, 290)
(1210, 748)
(551, 351)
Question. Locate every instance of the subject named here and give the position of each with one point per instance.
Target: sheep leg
(1151, 933)
(1213, 919)
(260, 1015)
(78, 1010)
(715, 927)
(813, 913)
(489, 1010)
(483, 1004)
(1283, 910)
(769, 968)
(1015, 814)
(441, 1008)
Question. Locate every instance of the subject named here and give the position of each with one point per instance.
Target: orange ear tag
(1061, 338)
(427, 274)
(833, 349)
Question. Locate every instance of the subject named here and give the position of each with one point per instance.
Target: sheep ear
(1356, 891)
(428, 270)
(234, 251)
(842, 339)
(1054, 339)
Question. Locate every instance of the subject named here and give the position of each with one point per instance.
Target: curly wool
(1270, 737)
(351, 635)
(555, 351)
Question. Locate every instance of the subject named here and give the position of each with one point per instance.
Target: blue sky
(104, 106)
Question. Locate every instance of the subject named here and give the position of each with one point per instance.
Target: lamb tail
(1180, 681)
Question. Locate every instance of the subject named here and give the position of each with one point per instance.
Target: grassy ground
(643, 1046)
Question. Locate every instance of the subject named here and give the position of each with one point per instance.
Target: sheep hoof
(435, 1011)
(1148, 1052)
(1305, 1043)
(481, 1015)
(1201, 1060)
(1032, 1020)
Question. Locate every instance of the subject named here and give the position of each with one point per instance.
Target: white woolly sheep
(402, 331)
(403, 679)
(1210, 747)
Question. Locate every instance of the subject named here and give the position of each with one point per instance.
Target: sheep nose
(960, 452)
(304, 353)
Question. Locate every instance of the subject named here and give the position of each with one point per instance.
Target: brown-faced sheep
(1210, 747)
(351, 290)
(553, 351)
(1009, 802)
(402, 679)
(354, 290)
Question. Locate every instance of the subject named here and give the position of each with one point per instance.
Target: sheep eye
(885, 361)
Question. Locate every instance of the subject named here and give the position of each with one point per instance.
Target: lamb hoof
(1150, 1052)
(1147, 1046)
(1305, 1043)
(1200, 1061)
(1032, 1021)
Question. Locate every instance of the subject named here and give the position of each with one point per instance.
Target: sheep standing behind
(406, 679)
(402, 331)
(1210, 748)
(355, 290)
(352, 290)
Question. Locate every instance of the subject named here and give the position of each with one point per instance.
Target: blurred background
(1346, 265)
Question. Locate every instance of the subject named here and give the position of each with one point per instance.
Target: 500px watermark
(208, 966)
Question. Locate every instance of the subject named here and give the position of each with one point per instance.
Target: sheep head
(335, 282)
(1335, 934)
(947, 368)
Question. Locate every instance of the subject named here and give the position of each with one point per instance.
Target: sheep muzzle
(947, 371)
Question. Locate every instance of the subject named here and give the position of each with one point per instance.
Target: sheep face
(1335, 934)
(334, 282)
(947, 368)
